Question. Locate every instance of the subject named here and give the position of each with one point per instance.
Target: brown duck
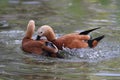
(72, 40)
(34, 46)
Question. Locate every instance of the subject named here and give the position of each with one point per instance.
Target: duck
(71, 40)
(30, 45)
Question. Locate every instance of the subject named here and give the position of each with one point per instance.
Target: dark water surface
(65, 16)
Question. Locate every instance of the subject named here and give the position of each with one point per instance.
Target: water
(65, 16)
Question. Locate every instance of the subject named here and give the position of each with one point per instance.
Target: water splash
(105, 50)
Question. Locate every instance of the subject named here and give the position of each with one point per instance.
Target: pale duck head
(46, 31)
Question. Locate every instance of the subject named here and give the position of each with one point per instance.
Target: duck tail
(88, 31)
(30, 29)
(93, 42)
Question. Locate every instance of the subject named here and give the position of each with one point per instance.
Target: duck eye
(40, 32)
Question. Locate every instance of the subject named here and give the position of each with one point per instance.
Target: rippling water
(65, 16)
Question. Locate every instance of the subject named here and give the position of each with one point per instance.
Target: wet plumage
(72, 40)
(34, 46)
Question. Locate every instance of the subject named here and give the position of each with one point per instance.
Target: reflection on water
(100, 63)
(24, 2)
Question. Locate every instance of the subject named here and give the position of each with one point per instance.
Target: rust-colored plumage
(33, 46)
(72, 40)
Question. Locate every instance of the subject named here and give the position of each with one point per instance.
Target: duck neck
(51, 35)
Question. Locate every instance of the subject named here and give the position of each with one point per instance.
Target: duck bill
(38, 37)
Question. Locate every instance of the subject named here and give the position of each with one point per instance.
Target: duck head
(46, 31)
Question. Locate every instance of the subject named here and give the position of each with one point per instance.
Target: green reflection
(3, 3)
(104, 2)
(76, 8)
